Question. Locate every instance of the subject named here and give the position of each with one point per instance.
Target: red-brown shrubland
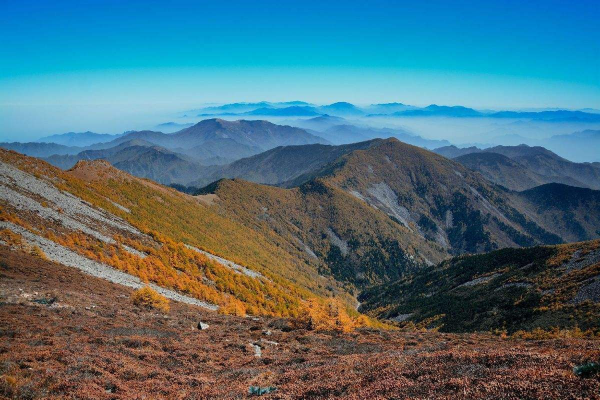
(94, 343)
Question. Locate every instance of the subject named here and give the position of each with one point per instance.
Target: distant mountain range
(78, 139)
(346, 133)
(209, 142)
(281, 164)
(523, 167)
(303, 109)
(139, 158)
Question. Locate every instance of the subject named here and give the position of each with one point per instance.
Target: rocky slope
(571, 212)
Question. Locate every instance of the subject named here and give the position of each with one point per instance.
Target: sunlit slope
(172, 217)
(435, 197)
(350, 240)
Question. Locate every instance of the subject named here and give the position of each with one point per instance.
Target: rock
(281, 324)
(270, 342)
(587, 370)
(259, 391)
(45, 301)
(257, 350)
(202, 326)
(267, 333)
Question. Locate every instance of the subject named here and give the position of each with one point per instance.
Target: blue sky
(486, 54)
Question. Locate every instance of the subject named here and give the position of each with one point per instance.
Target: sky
(68, 65)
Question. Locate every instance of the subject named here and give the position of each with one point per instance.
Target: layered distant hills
(208, 142)
(524, 167)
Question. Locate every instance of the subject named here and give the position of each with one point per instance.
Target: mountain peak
(93, 170)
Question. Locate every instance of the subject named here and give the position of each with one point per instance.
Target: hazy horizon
(114, 66)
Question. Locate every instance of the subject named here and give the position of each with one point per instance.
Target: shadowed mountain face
(511, 289)
(530, 166)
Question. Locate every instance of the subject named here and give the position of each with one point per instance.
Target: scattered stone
(587, 370)
(269, 342)
(259, 391)
(257, 350)
(202, 326)
(45, 301)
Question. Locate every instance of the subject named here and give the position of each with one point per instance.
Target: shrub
(556, 333)
(39, 253)
(147, 297)
(330, 316)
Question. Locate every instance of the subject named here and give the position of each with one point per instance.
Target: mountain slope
(113, 218)
(125, 344)
(69, 160)
(280, 164)
(506, 172)
(512, 289)
(571, 212)
(211, 140)
(433, 207)
(261, 134)
(435, 197)
(537, 161)
(349, 240)
(546, 163)
(139, 158)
